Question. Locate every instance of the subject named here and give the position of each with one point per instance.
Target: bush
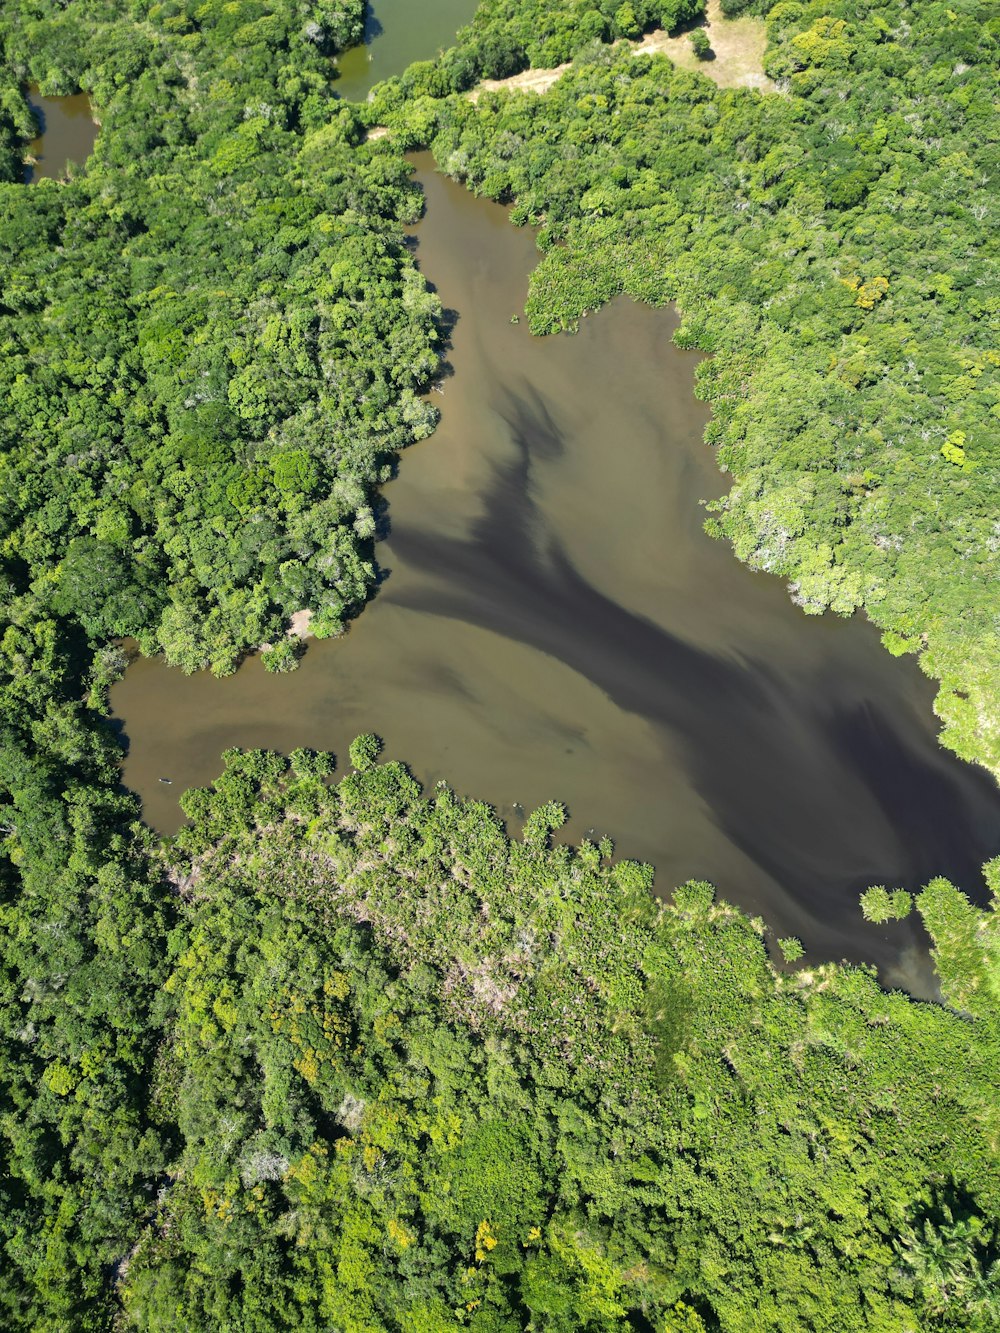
(700, 44)
(791, 949)
(364, 750)
(284, 656)
(879, 905)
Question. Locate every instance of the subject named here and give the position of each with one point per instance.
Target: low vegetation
(348, 1056)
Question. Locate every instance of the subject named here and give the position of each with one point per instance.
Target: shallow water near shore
(397, 32)
(555, 624)
(69, 133)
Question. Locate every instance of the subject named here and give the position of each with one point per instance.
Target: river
(554, 623)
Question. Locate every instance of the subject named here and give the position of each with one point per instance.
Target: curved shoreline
(737, 62)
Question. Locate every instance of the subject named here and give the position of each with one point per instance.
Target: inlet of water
(398, 32)
(555, 624)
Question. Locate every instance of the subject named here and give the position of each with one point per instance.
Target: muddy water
(555, 624)
(68, 134)
(397, 32)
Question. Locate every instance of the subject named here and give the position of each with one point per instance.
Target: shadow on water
(373, 28)
(558, 625)
(732, 716)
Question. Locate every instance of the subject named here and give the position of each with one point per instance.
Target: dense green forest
(834, 246)
(213, 339)
(347, 1056)
(412, 1075)
(203, 391)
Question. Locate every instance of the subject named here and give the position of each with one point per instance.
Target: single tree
(700, 44)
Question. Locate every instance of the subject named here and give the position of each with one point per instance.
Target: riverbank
(737, 60)
(554, 622)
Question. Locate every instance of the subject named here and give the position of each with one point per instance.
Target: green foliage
(213, 341)
(791, 949)
(16, 123)
(700, 43)
(348, 1057)
(508, 36)
(966, 945)
(282, 656)
(950, 1258)
(879, 904)
(364, 750)
(84, 917)
(421, 1075)
(311, 763)
(200, 395)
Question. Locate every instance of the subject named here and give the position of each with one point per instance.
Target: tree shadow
(373, 28)
(41, 123)
(40, 118)
(825, 796)
(445, 324)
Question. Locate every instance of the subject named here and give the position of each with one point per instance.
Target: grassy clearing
(737, 45)
(737, 57)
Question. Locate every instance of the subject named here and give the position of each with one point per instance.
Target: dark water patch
(68, 134)
(556, 624)
(766, 760)
(398, 32)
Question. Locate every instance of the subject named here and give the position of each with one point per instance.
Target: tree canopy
(418, 1075)
(204, 389)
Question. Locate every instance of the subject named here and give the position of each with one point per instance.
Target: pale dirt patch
(298, 625)
(737, 45)
(298, 621)
(528, 81)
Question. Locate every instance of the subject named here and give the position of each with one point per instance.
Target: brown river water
(68, 134)
(554, 623)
